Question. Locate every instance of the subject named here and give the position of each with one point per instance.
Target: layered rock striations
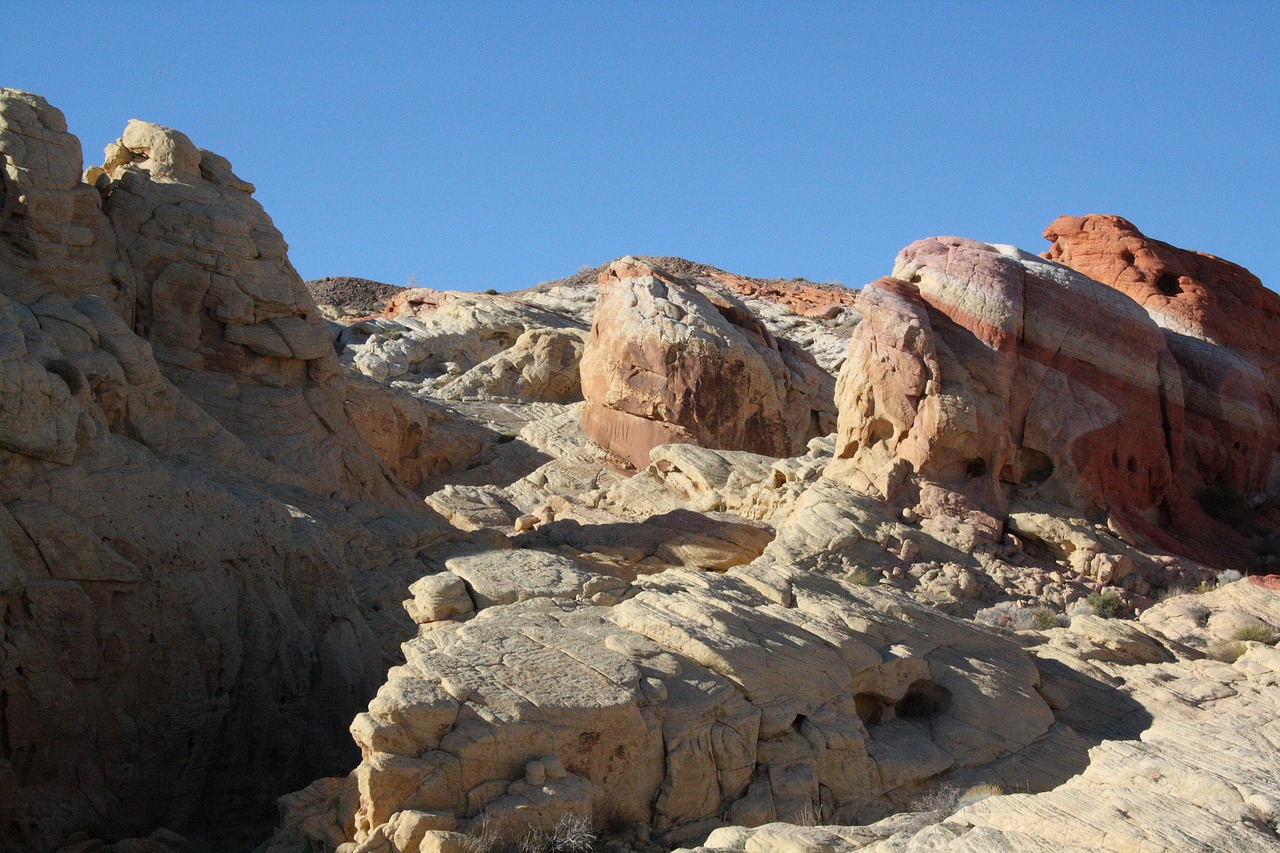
(1223, 328)
(669, 361)
(975, 367)
(183, 500)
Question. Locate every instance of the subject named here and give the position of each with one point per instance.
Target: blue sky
(503, 144)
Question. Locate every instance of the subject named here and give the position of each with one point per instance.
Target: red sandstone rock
(975, 367)
(669, 361)
(1221, 325)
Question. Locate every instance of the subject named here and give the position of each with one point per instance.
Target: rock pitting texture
(1221, 325)
(752, 695)
(180, 510)
(670, 362)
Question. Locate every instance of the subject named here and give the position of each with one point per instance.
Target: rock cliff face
(976, 368)
(183, 499)
(1222, 327)
(671, 362)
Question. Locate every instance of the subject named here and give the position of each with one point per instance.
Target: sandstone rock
(1223, 328)
(819, 317)
(974, 368)
(182, 514)
(437, 597)
(424, 329)
(693, 695)
(669, 362)
(416, 439)
(542, 365)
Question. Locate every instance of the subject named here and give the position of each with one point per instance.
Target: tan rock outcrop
(748, 695)
(181, 511)
(1201, 776)
(541, 366)
(670, 362)
(426, 333)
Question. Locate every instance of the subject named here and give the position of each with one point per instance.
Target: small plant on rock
(978, 793)
(1108, 605)
(1227, 652)
(1258, 633)
(1227, 576)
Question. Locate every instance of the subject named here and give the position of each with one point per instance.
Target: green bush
(1108, 605)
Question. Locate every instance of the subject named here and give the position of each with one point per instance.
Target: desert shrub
(1227, 652)
(1199, 614)
(1227, 576)
(491, 292)
(1108, 605)
(1224, 503)
(861, 577)
(978, 793)
(1258, 633)
(1015, 617)
(943, 798)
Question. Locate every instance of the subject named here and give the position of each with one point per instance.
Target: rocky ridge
(227, 521)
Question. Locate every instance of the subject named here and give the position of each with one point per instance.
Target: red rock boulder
(1221, 325)
(984, 369)
(671, 361)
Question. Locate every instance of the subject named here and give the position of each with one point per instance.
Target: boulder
(669, 361)
(542, 365)
(976, 368)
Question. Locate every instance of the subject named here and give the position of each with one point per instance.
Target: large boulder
(670, 361)
(979, 368)
(1223, 328)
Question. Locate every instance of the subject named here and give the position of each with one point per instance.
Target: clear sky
(501, 144)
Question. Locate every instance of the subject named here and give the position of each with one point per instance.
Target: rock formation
(750, 695)
(975, 368)
(1223, 328)
(671, 362)
(219, 535)
(184, 500)
(1201, 777)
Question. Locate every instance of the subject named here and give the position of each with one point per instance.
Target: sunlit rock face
(982, 367)
(669, 361)
(1223, 328)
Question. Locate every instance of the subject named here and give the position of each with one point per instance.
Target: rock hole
(1168, 285)
(976, 468)
(67, 371)
(878, 430)
(798, 723)
(1126, 256)
(1036, 466)
(924, 700)
(1132, 465)
(870, 708)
